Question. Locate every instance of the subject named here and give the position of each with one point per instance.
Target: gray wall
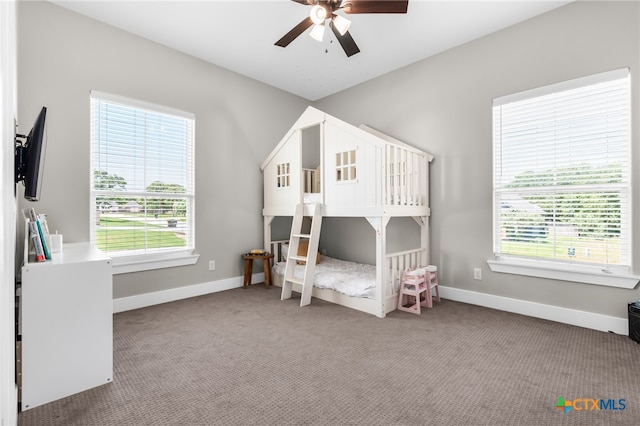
(443, 105)
(63, 55)
(354, 238)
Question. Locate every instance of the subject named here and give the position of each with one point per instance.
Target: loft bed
(349, 172)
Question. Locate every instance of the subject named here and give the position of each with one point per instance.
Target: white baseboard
(533, 309)
(149, 299)
(538, 310)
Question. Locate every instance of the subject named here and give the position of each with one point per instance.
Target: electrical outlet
(212, 265)
(477, 274)
(323, 252)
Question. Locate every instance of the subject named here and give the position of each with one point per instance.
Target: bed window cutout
(346, 166)
(283, 175)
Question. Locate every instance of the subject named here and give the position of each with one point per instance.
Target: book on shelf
(44, 234)
(38, 228)
(37, 247)
(30, 214)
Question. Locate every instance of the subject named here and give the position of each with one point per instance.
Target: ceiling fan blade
(375, 6)
(305, 2)
(295, 32)
(346, 41)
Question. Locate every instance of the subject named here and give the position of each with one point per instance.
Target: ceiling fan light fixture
(318, 14)
(317, 32)
(341, 23)
(325, 10)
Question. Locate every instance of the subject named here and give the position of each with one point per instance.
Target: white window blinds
(142, 177)
(562, 173)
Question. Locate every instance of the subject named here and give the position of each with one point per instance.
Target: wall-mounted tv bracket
(20, 165)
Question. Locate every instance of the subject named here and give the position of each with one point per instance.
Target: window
(142, 181)
(346, 166)
(283, 175)
(562, 177)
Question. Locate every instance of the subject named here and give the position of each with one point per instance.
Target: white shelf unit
(66, 324)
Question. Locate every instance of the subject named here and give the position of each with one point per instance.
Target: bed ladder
(313, 237)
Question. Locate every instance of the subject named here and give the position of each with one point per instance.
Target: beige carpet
(243, 357)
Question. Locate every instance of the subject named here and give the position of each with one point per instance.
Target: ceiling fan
(323, 10)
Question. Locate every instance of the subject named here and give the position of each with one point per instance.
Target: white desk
(67, 324)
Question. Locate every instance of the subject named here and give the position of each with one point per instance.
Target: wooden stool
(248, 267)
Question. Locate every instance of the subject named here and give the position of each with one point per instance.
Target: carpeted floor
(243, 357)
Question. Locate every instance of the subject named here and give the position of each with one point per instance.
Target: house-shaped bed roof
(356, 171)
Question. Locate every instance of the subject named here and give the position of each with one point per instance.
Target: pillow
(303, 247)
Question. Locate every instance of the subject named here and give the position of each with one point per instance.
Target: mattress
(350, 278)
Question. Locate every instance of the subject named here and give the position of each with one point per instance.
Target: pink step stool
(417, 289)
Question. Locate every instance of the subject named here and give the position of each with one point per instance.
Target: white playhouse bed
(351, 172)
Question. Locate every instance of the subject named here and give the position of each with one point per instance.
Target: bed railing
(277, 250)
(400, 261)
(405, 176)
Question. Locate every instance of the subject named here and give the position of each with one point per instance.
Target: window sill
(567, 272)
(125, 265)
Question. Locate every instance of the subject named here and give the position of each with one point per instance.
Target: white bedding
(350, 278)
(312, 198)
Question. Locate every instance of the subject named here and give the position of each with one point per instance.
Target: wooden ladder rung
(295, 280)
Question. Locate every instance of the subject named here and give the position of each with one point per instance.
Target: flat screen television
(29, 158)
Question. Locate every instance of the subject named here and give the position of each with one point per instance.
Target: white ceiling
(239, 35)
